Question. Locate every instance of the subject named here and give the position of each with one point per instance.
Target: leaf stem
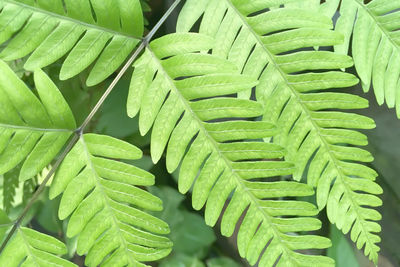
(78, 132)
(145, 41)
(42, 186)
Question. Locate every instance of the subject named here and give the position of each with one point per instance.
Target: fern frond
(101, 31)
(187, 98)
(31, 248)
(275, 46)
(31, 127)
(99, 193)
(374, 29)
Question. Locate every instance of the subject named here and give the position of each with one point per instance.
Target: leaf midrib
(33, 129)
(238, 179)
(308, 115)
(11, 20)
(75, 21)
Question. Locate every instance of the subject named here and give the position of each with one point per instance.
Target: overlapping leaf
(31, 248)
(106, 205)
(31, 127)
(103, 32)
(274, 41)
(189, 99)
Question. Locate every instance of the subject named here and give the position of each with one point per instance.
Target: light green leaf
(32, 128)
(307, 124)
(111, 58)
(293, 79)
(108, 210)
(197, 117)
(109, 147)
(57, 44)
(32, 248)
(79, 29)
(56, 106)
(85, 52)
(373, 31)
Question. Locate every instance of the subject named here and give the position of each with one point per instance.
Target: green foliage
(31, 128)
(374, 31)
(103, 32)
(192, 238)
(341, 249)
(4, 224)
(222, 262)
(301, 102)
(10, 184)
(172, 82)
(99, 193)
(47, 215)
(252, 165)
(191, 235)
(31, 248)
(28, 188)
(182, 260)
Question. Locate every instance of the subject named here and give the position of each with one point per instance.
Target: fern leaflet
(98, 193)
(102, 30)
(31, 128)
(375, 45)
(31, 248)
(184, 95)
(253, 36)
(10, 184)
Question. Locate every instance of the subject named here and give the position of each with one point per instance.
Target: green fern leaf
(31, 248)
(28, 189)
(10, 184)
(184, 96)
(374, 29)
(31, 128)
(98, 193)
(102, 30)
(300, 102)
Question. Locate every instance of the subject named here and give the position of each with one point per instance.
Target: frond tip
(106, 205)
(187, 97)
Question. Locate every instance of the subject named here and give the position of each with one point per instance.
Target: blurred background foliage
(196, 244)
